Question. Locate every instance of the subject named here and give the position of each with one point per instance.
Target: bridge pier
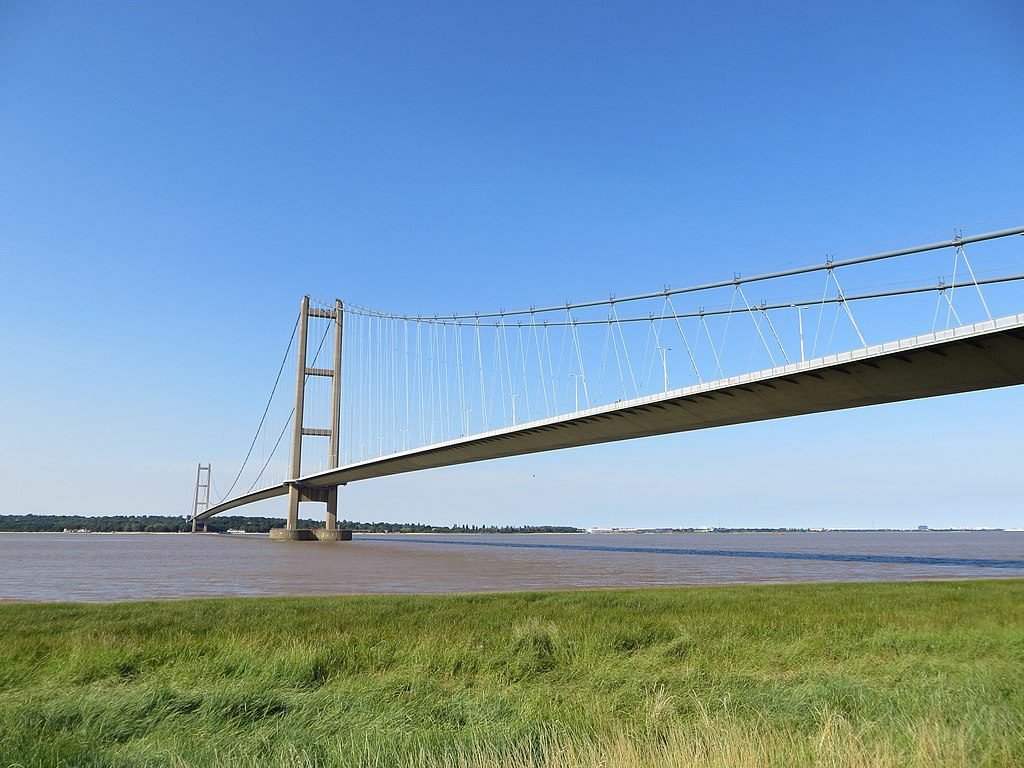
(332, 509)
(292, 534)
(332, 534)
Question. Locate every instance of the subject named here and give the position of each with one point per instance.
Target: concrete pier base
(294, 534)
(333, 534)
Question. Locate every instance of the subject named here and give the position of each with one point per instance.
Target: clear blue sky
(173, 177)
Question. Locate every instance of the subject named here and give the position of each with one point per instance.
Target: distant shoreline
(660, 532)
(32, 523)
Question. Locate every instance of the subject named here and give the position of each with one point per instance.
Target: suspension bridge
(380, 393)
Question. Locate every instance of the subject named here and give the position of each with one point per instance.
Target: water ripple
(969, 562)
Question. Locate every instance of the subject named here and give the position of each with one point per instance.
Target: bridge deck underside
(982, 356)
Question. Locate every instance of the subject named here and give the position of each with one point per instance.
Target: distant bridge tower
(201, 498)
(296, 491)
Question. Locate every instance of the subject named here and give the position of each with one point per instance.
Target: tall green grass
(799, 675)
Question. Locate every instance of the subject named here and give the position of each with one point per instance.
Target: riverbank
(796, 675)
(225, 523)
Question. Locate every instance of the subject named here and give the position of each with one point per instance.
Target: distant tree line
(58, 523)
(222, 523)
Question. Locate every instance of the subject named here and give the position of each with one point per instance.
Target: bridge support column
(292, 523)
(332, 508)
(334, 449)
(201, 499)
(296, 492)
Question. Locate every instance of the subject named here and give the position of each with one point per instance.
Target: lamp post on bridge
(664, 364)
(800, 324)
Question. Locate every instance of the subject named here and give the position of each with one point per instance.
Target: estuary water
(117, 567)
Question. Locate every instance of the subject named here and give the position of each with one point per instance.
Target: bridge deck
(973, 357)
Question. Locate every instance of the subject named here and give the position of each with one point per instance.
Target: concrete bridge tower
(297, 492)
(201, 499)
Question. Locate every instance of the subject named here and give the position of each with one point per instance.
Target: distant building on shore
(628, 530)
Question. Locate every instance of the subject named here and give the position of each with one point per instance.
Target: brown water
(112, 567)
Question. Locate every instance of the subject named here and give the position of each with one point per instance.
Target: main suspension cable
(956, 242)
(266, 410)
(290, 415)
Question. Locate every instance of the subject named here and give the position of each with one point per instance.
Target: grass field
(919, 674)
